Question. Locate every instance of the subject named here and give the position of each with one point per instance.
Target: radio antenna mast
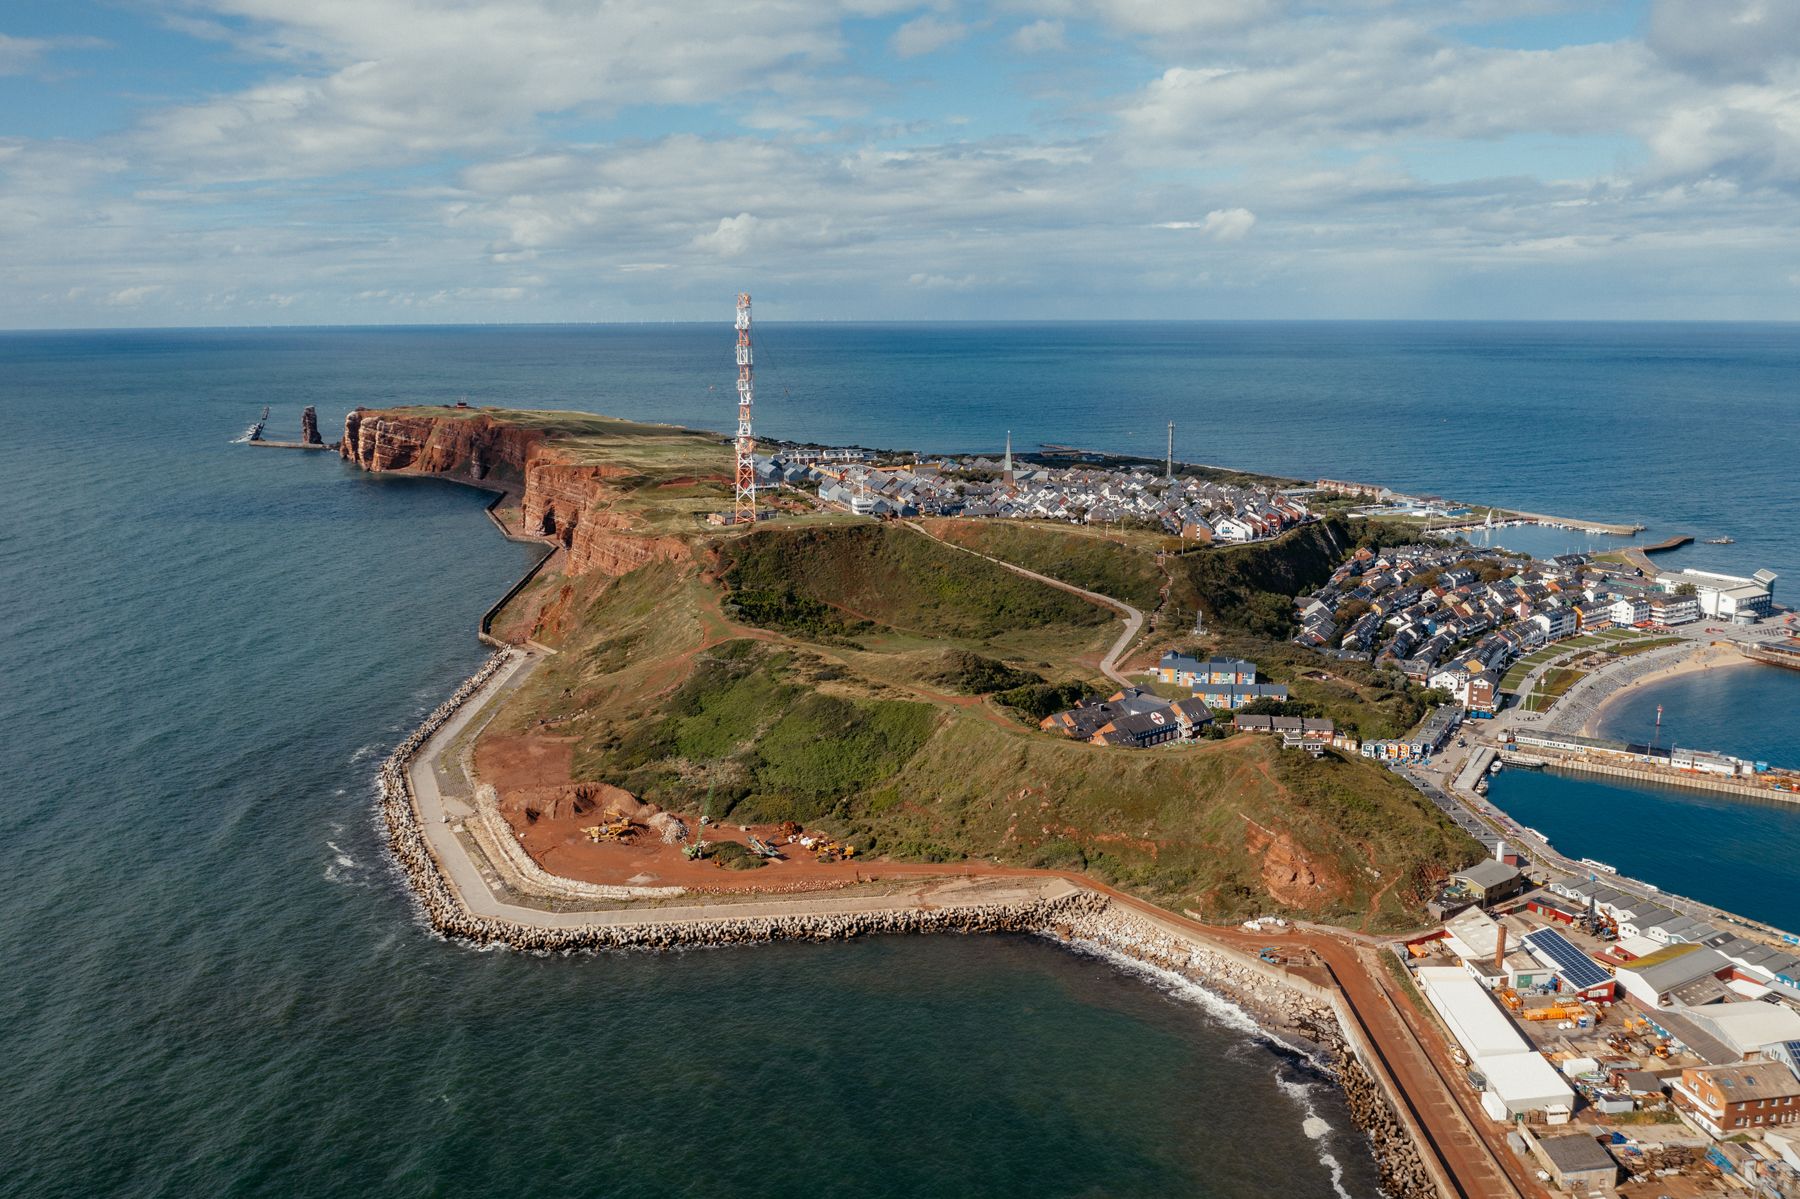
(743, 510)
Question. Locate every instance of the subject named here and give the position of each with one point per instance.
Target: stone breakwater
(1301, 1014)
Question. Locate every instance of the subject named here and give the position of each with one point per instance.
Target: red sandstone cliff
(562, 501)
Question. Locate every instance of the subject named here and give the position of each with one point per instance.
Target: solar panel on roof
(1577, 968)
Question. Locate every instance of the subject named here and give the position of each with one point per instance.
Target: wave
(1317, 1128)
(1314, 1126)
(1184, 988)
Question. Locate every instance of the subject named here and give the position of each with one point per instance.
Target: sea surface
(214, 984)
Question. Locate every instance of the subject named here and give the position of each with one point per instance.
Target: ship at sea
(255, 431)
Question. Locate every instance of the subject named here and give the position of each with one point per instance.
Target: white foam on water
(1180, 987)
(1316, 1128)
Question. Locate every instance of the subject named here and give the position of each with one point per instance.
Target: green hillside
(889, 575)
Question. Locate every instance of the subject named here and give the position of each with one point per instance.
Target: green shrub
(973, 674)
(1039, 700)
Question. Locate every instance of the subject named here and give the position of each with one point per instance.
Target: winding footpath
(1134, 619)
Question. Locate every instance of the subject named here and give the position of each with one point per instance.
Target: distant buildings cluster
(981, 487)
(1453, 617)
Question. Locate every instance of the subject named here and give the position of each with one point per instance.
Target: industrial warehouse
(1616, 1038)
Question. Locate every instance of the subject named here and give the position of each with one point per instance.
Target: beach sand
(1716, 655)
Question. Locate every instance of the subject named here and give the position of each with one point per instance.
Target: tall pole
(1169, 466)
(743, 510)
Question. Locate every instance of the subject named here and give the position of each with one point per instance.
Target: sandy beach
(1716, 655)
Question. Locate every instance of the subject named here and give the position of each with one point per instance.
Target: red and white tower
(744, 510)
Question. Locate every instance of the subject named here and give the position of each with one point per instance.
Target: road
(1134, 619)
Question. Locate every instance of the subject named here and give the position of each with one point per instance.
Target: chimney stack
(1500, 851)
(1500, 949)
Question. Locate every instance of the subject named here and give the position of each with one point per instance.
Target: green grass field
(1120, 565)
(1554, 685)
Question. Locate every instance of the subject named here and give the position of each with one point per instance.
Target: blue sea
(214, 983)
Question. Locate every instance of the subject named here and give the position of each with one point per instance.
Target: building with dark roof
(1577, 1163)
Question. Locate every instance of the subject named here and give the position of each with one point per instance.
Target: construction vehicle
(617, 829)
(763, 849)
(834, 851)
(694, 850)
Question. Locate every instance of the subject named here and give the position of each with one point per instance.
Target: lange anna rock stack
(744, 508)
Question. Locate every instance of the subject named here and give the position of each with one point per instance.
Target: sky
(283, 162)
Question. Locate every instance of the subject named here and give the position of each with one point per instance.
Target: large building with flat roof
(1727, 597)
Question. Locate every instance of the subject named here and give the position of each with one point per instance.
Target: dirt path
(1134, 619)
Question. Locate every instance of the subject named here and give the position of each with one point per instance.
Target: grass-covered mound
(1120, 565)
(795, 580)
(972, 674)
(869, 681)
(1227, 828)
(751, 729)
(1252, 587)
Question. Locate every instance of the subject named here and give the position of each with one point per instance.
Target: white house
(1629, 610)
(1556, 623)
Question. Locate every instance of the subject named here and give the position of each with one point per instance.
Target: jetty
(1667, 544)
(1671, 766)
(1780, 653)
(309, 433)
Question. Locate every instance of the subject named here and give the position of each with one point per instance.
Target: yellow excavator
(616, 829)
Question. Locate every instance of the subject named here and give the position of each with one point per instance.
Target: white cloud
(1393, 80)
(1221, 224)
(21, 55)
(126, 297)
(510, 159)
(1180, 16)
(731, 239)
(1039, 37)
(926, 35)
(391, 81)
(1726, 39)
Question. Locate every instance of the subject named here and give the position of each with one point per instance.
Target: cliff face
(562, 501)
(473, 447)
